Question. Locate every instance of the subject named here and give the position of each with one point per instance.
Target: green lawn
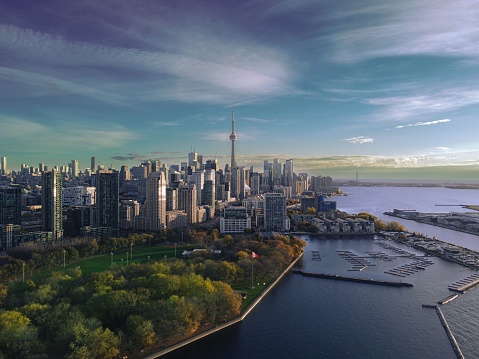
(252, 293)
(119, 258)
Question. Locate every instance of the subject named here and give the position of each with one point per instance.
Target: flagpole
(252, 259)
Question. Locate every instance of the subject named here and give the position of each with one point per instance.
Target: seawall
(227, 324)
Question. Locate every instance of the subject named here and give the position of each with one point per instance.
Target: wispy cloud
(59, 135)
(424, 123)
(205, 79)
(399, 29)
(359, 139)
(404, 107)
(163, 123)
(257, 120)
(43, 85)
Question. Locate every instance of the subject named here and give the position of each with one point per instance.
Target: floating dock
(316, 255)
(353, 279)
(448, 299)
(465, 284)
(411, 268)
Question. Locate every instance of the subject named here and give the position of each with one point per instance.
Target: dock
(466, 284)
(448, 299)
(411, 268)
(353, 279)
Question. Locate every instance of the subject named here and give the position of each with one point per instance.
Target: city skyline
(389, 90)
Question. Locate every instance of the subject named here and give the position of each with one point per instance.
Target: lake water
(307, 317)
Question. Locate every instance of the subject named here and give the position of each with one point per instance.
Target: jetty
(353, 279)
(448, 330)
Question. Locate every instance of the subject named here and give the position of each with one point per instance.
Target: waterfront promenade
(227, 324)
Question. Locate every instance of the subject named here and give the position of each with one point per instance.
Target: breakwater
(228, 323)
(353, 279)
(448, 330)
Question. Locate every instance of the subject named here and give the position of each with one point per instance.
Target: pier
(465, 284)
(411, 268)
(448, 299)
(316, 255)
(353, 279)
(446, 327)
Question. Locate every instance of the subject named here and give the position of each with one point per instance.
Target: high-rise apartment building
(107, 200)
(52, 203)
(10, 205)
(154, 209)
(275, 218)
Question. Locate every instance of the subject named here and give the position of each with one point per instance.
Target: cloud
(47, 85)
(399, 29)
(184, 75)
(59, 135)
(359, 139)
(254, 119)
(424, 102)
(163, 123)
(424, 123)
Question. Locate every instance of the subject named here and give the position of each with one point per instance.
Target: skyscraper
(3, 169)
(10, 205)
(155, 203)
(107, 200)
(233, 139)
(288, 173)
(52, 203)
(93, 164)
(74, 168)
(187, 201)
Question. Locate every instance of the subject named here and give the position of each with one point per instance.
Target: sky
(388, 89)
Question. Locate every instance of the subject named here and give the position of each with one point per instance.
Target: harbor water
(306, 317)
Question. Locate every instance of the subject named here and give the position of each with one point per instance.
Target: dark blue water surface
(307, 317)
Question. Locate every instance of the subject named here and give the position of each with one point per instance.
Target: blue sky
(387, 88)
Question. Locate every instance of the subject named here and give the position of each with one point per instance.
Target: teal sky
(386, 88)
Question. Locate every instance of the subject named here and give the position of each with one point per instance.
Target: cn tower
(233, 138)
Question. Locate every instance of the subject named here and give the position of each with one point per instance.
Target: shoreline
(231, 322)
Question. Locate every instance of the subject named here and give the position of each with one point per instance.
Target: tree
(311, 210)
(139, 331)
(92, 343)
(18, 338)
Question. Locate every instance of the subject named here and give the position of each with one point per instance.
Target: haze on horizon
(387, 89)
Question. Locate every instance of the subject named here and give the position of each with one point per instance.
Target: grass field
(119, 258)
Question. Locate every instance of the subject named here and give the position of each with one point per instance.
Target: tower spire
(233, 138)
